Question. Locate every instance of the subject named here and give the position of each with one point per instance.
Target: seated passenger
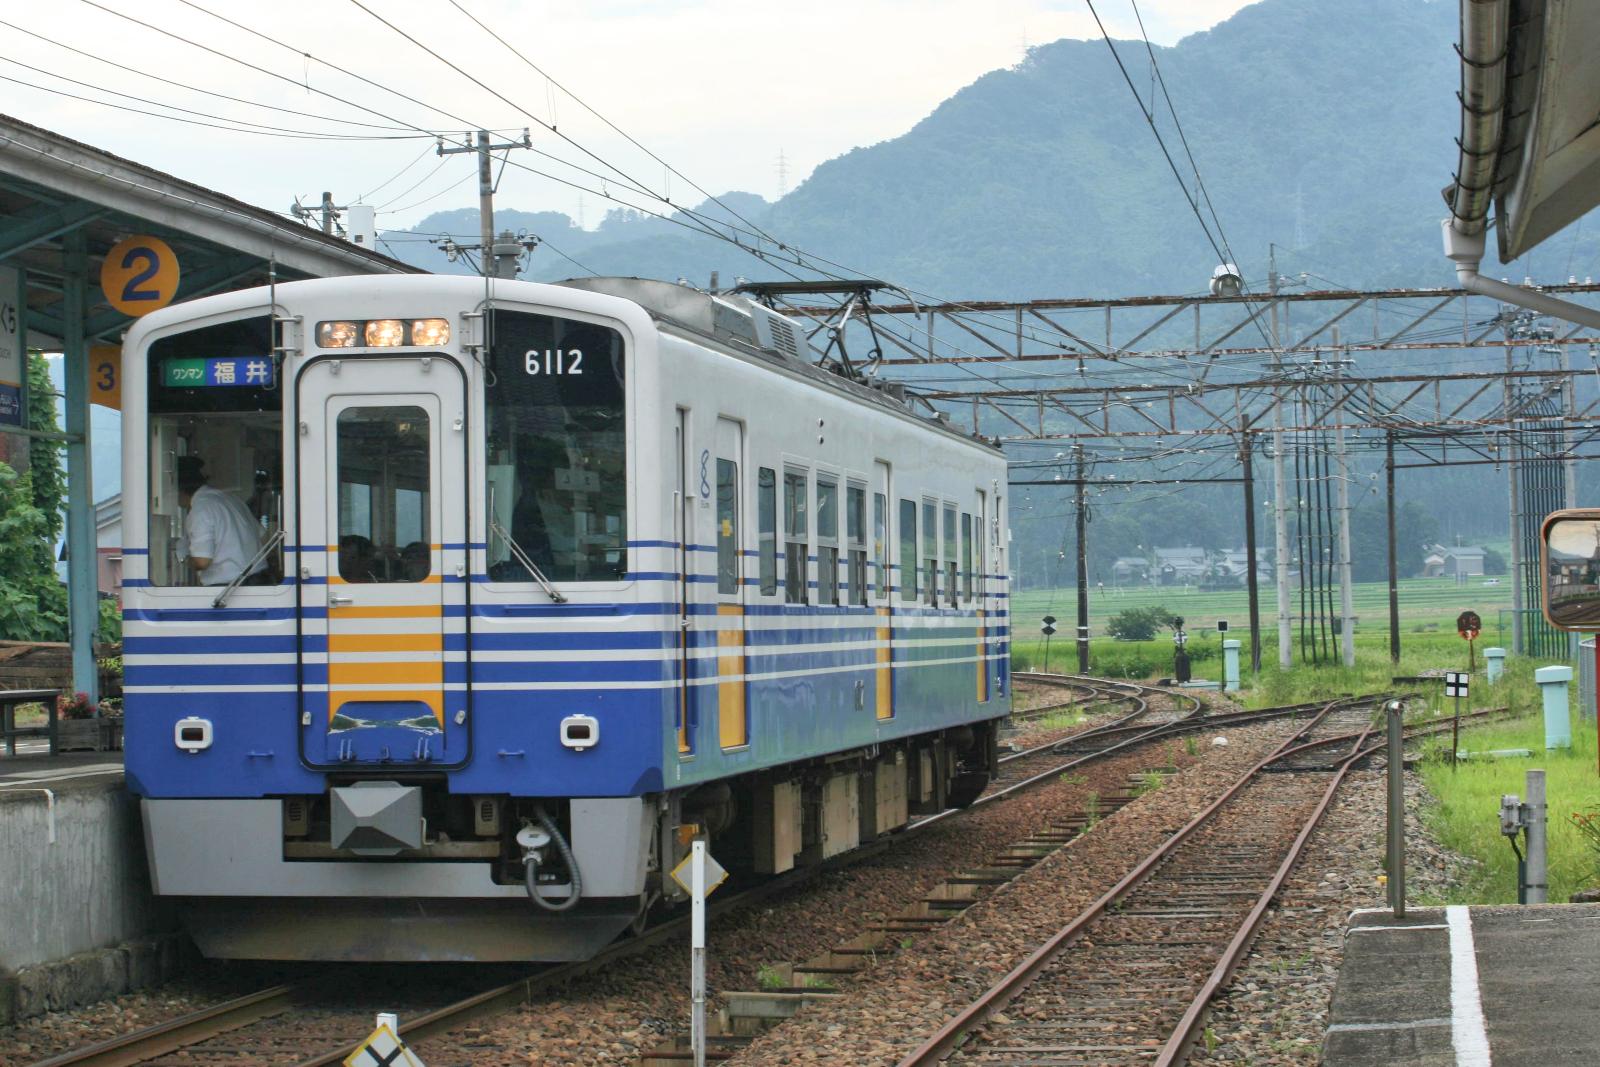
(357, 560)
(416, 562)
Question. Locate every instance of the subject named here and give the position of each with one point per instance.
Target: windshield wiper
(522, 557)
(249, 568)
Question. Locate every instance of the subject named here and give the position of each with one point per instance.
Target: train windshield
(557, 471)
(216, 455)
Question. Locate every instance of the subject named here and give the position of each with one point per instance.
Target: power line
(583, 104)
(179, 118)
(245, 125)
(191, 88)
(418, 159)
(1178, 124)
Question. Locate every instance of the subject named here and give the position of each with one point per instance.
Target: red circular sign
(1468, 625)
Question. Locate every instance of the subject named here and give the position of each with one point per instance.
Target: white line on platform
(1416, 1025)
(1467, 1031)
(24, 778)
(1396, 929)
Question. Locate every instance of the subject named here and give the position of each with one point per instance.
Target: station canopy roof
(1548, 175)
(52, 187)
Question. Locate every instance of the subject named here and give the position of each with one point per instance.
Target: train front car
(450, 623)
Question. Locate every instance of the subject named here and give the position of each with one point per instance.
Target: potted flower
(77, 729)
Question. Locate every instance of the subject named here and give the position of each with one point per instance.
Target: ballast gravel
(1275, 1010)
(890, 1009)
(615, 1016)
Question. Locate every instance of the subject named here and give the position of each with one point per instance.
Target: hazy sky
(716, 88)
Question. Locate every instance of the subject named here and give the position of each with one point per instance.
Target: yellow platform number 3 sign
(139, 275)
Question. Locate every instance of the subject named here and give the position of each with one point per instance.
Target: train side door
(683, 537)
(733, 723)
(382, 528)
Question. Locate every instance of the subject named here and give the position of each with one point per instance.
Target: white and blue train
(552, 580)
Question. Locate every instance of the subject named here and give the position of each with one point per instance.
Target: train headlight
(430, 331)
(338, 334)
(192, 734)
(580, 732)
(386, 333)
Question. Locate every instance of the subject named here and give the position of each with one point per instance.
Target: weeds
(1150, 781)
(1091, 810)
(769, 978)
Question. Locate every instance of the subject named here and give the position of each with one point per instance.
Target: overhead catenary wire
(221, 124)
(195, 88)
(418, 158)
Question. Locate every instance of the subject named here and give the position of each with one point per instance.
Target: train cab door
(733, 722)
(382, 525)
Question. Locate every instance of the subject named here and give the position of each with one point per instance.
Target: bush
(1139, 624)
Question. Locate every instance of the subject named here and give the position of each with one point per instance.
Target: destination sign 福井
(217, 372)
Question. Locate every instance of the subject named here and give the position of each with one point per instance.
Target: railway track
(1148, 955)
(196, 1037)
(1086, 692)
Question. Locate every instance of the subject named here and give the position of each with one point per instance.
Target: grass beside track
(1464, 812)
(1465, 817)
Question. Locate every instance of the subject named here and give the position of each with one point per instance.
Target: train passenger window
(951, 589)
(385, 532)
(908, 551)
(966, 556)
(216, 455)
(827, 540)
(557, 471)
(880, 542)
(930, 552)
(795, 490)
(727, 526)
(855, 521)
(767, 529)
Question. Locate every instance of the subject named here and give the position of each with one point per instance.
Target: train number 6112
(553, 361)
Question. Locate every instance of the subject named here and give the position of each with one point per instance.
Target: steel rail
(125, 1050)
(1190, 1025)
(950, 1035)
(515, 993)
(143, 1045)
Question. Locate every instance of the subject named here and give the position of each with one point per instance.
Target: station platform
(67, 770)
(1512, 986)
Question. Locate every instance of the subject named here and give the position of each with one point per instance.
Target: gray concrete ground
(1512, 986)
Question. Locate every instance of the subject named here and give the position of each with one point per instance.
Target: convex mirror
(1571, 552)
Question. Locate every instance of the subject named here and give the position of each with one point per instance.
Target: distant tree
(1493, 562)
(1139, 624)
(1415, 526)
(33, 602)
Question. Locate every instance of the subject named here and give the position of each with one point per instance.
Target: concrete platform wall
(80, 921)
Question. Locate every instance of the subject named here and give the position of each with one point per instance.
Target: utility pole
(1347, 637)
(1394, 584)
(1514, 489)
(1280, 489)
(1083, 567)
(485, 148)
(328, 210)
(1245, 454)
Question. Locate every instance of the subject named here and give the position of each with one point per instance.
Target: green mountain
(1326, 129)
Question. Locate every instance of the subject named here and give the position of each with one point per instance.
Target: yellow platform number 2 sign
(139, 275)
